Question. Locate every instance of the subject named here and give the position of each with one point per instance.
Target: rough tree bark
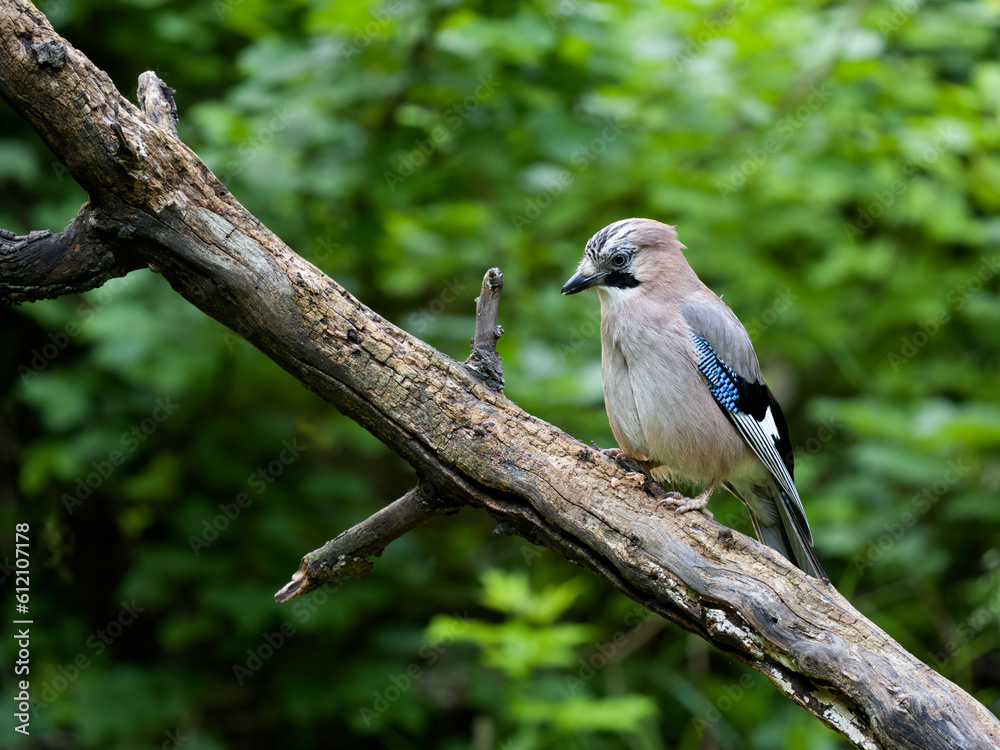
(154, 204)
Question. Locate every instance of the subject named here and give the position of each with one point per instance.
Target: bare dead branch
(344, 556)
(42, 265)
(157, 101)
(468, 439)
(484, 360)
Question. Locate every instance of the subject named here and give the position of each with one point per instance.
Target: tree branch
(484, 360)
(344, 556)
(42, 265)
(157, 101)
(467, 439)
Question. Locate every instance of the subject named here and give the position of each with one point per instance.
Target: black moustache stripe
(621, 280)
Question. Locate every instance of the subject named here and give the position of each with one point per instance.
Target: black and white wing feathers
(752, 409)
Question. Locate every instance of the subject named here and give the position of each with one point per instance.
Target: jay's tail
(779, 527)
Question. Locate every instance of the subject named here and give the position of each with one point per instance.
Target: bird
(682, 386)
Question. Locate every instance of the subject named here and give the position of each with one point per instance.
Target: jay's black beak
(579, 282)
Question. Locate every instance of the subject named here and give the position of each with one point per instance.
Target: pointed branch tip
(484, 362)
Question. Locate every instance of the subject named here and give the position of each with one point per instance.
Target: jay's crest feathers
(682, 384)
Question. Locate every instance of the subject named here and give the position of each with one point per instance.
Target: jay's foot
(622, 458)
(689, 504)
(610, 452)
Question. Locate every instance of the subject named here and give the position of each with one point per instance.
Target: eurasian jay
(682, 387)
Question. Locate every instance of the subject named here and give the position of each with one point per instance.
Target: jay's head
(625, 255)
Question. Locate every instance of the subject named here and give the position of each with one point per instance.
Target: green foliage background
(833, 170)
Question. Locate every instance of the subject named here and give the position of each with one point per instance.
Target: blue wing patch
(720, 378)
(751, 408)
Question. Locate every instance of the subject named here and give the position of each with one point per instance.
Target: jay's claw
(623, 459)
(689, 504)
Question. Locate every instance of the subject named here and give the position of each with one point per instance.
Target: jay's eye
(618, 259)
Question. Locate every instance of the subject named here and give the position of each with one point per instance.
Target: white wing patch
(769, 427)
(762, 438)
